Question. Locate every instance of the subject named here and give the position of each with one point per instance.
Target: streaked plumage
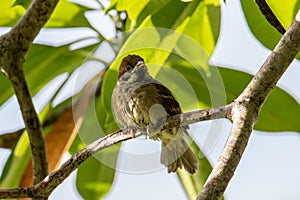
(141, 102)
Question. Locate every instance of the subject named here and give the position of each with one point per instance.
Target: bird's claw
(132, 131)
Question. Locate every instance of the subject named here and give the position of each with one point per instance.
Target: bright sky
(270, 166)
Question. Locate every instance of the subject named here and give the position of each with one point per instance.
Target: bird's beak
(140, 64)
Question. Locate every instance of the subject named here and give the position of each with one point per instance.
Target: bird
(142, 103)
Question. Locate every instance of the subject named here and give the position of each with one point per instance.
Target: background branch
(9, 140)
(246, 109)
(44, 188)
(13, 48)
(270, 16)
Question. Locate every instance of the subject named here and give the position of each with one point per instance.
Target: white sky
(270, 166)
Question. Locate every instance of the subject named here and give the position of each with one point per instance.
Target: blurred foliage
(176, 39)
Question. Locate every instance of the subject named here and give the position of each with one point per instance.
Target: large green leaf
(137, 10)
(96, 175)
(281, 112)
(66, 14)
(94, 179)
(178, 35)
(16, 164)
(43, 63)
(198, 19)
(285, 11)
(193, 184)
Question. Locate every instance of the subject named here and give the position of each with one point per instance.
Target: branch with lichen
(13, 48)
(245, 110)
(44, 188)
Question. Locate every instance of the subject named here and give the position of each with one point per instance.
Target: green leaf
(156, 45)
(204, 24)
(66, 14)
(43, 63)
(94, 179)
(280, 112)
(285, 12)
(96, 175)
(197, 19)
(10, 15)
(6, 89)
(187, 85)
(193, 184)
(137, 10)
(24, 3)
(16, 164)
(194, 88)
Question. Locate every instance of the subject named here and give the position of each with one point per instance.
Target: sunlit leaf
(96, 175)
(285, 12)
(94, 179)
(15, 166)
(156, 45)
(193, 184)
(24, 3)
(281, 112)
(10, 15)
(137, 10)
(66, 14)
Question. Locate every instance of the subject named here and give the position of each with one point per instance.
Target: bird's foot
(132, 131)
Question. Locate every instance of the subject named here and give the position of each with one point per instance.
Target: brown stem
(246, 108)
(269, 15)
(45, 187)
(13, 48)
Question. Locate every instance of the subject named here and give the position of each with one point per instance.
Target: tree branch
(246, 108)
(13, 48)
(46, 187)
(269, 15)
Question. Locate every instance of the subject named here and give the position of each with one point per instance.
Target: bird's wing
(151, 104)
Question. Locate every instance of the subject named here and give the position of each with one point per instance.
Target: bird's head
(132, 64)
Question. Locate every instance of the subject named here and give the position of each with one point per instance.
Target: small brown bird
(142, 103)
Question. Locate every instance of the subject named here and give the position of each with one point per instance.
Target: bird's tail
(177, 154)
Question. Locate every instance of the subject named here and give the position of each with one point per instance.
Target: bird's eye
(128, 67)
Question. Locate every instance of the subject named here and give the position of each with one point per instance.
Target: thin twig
(246, 108)
(13, 48)
(45, 187)
(270, 16)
